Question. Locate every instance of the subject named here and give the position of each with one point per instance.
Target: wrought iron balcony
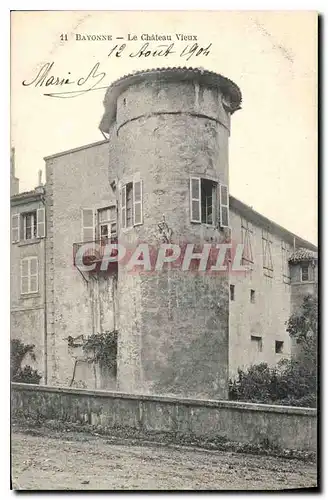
(94, 254)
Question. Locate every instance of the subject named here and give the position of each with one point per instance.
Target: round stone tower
(168, 141)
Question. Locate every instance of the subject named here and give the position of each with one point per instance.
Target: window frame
(259, 342)
(123, 204)
(307, 267)
(281, 345)
(215, 185)
(29, 275)
(34, 226)
(106, 222)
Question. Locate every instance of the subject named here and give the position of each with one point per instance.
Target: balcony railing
(86, 253)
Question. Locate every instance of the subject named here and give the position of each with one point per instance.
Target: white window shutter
(137, 203)
(40, 223)
(88, 225)
(15, 229)
(123, 207)
(29, 275)
(195, 200)
(224, 205)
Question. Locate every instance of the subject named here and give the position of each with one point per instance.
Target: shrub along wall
(280, 426)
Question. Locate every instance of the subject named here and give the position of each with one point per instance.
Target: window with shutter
(41, 223)
(15, 220)
(267, 254)
(29, 225)
(224, 206)
(106, 223)
(29, 275)
(305, 272)
(247, 237)
(88, 229)
(129, 204)
(137, 203)
(195, 199)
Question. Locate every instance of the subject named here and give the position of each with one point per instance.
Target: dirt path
(82, 461)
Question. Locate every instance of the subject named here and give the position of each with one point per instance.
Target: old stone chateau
(163, 162)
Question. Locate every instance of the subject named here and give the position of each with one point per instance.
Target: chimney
(39, 187)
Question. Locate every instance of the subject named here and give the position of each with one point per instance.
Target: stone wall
(281, 426)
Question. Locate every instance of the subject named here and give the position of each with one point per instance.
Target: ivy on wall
(18, 352)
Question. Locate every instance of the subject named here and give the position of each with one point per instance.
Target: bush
(290, 383)
(26, 374)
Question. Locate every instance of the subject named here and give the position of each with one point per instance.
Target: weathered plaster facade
(78, 304)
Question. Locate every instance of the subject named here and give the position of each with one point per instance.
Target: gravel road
(78, 461)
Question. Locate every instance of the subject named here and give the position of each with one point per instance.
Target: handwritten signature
(46, 77)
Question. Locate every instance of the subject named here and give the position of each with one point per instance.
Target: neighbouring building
(161, 175)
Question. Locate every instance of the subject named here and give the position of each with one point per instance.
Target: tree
(303, 324)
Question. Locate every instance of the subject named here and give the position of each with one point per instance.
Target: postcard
(164, 259)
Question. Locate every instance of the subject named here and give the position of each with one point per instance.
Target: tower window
(232, 292)
(203, 194)
(279, 347)
(252, 296)
(256, 342)
(304, 272)
(207, 201)
(131, 204)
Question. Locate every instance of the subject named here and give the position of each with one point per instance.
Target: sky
(271, 56)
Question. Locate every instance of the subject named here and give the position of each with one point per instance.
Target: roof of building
(303, 255)
(270, 225)
(23, 194)
(199, 75)
(27, 196)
